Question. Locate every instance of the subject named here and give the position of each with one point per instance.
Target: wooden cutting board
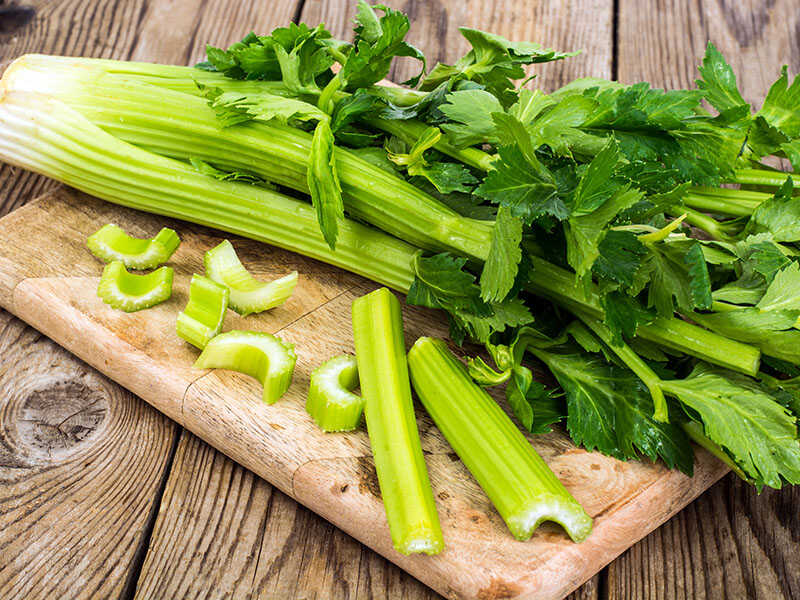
(48, 278)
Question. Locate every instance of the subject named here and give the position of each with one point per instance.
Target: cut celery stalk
(392, 426)
(110, 243)
(126, 291)
(202, 318)
(523, 489)
(331, 401)
(260, 355)
(247, 294)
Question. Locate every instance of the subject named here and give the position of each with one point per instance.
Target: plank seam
(143, 548)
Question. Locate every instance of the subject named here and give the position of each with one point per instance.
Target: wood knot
(15, 17)
(59, 418)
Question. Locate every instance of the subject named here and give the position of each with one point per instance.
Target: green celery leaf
(528, 191)
(494, 62)
(500, 269)
(445, 177)
(353, 107)
(784, 291)
(504, 315)
(441, 282)
(780, 215)
(743, 418)
(610, 410)
(584, 233)
(792, 152)
(470, 113)
(303, 54)
(719, 81)
(781, 107)
(377, 41)
(621, 254)
(323, 183)
(675, 275)
(623, 314)
(233, 108)
(699, 281)
(240, 176)
(597, 184)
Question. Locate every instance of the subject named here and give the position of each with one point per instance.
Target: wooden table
(121, 502)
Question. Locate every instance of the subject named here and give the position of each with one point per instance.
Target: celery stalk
(110, 242)
(331, 401)
(202, 318)
(183, 126)
(126, 291)
(44, 135)
(392, 426)
(247, 294)
(523, 489)
(260, 355)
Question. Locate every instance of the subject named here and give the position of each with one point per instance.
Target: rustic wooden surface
(728, 543)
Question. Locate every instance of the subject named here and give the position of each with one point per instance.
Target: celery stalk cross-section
(392, 426)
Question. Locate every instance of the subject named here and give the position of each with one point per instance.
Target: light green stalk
(392, 426)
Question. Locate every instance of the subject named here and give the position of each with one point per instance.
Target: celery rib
(247, 294)
(331, 401)
(392, 425)
(110, 243)
(523, 489)
(261, 355)
(44, 135)
(273, 150)
(202, 318)
(125, 291)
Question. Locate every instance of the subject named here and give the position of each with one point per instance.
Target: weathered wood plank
(580, 25)
(225, 533)
(730, 542)
(81, 462)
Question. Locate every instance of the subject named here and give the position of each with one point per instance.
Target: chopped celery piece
(260, 355)
(129, 292)
(331, 401)
(392, 426)
(518, 482)
(202, 318)
(248, 295)
(110, 243)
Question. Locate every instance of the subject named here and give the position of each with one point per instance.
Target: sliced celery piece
(110, 243)
(202, 318)
(331, 401)
(260, 355)
(248, 295)
(129, 292)
(518, 482)
(392, 426)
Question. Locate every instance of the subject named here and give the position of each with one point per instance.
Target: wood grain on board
(331, 474)
(732, 542)
(81, 464)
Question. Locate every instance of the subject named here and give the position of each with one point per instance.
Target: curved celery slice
(260, 355)
(518, 482)
(129, 292)
(110, 242)
(392, 425)
(202, 318)
(331, 401)
(248, 295)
